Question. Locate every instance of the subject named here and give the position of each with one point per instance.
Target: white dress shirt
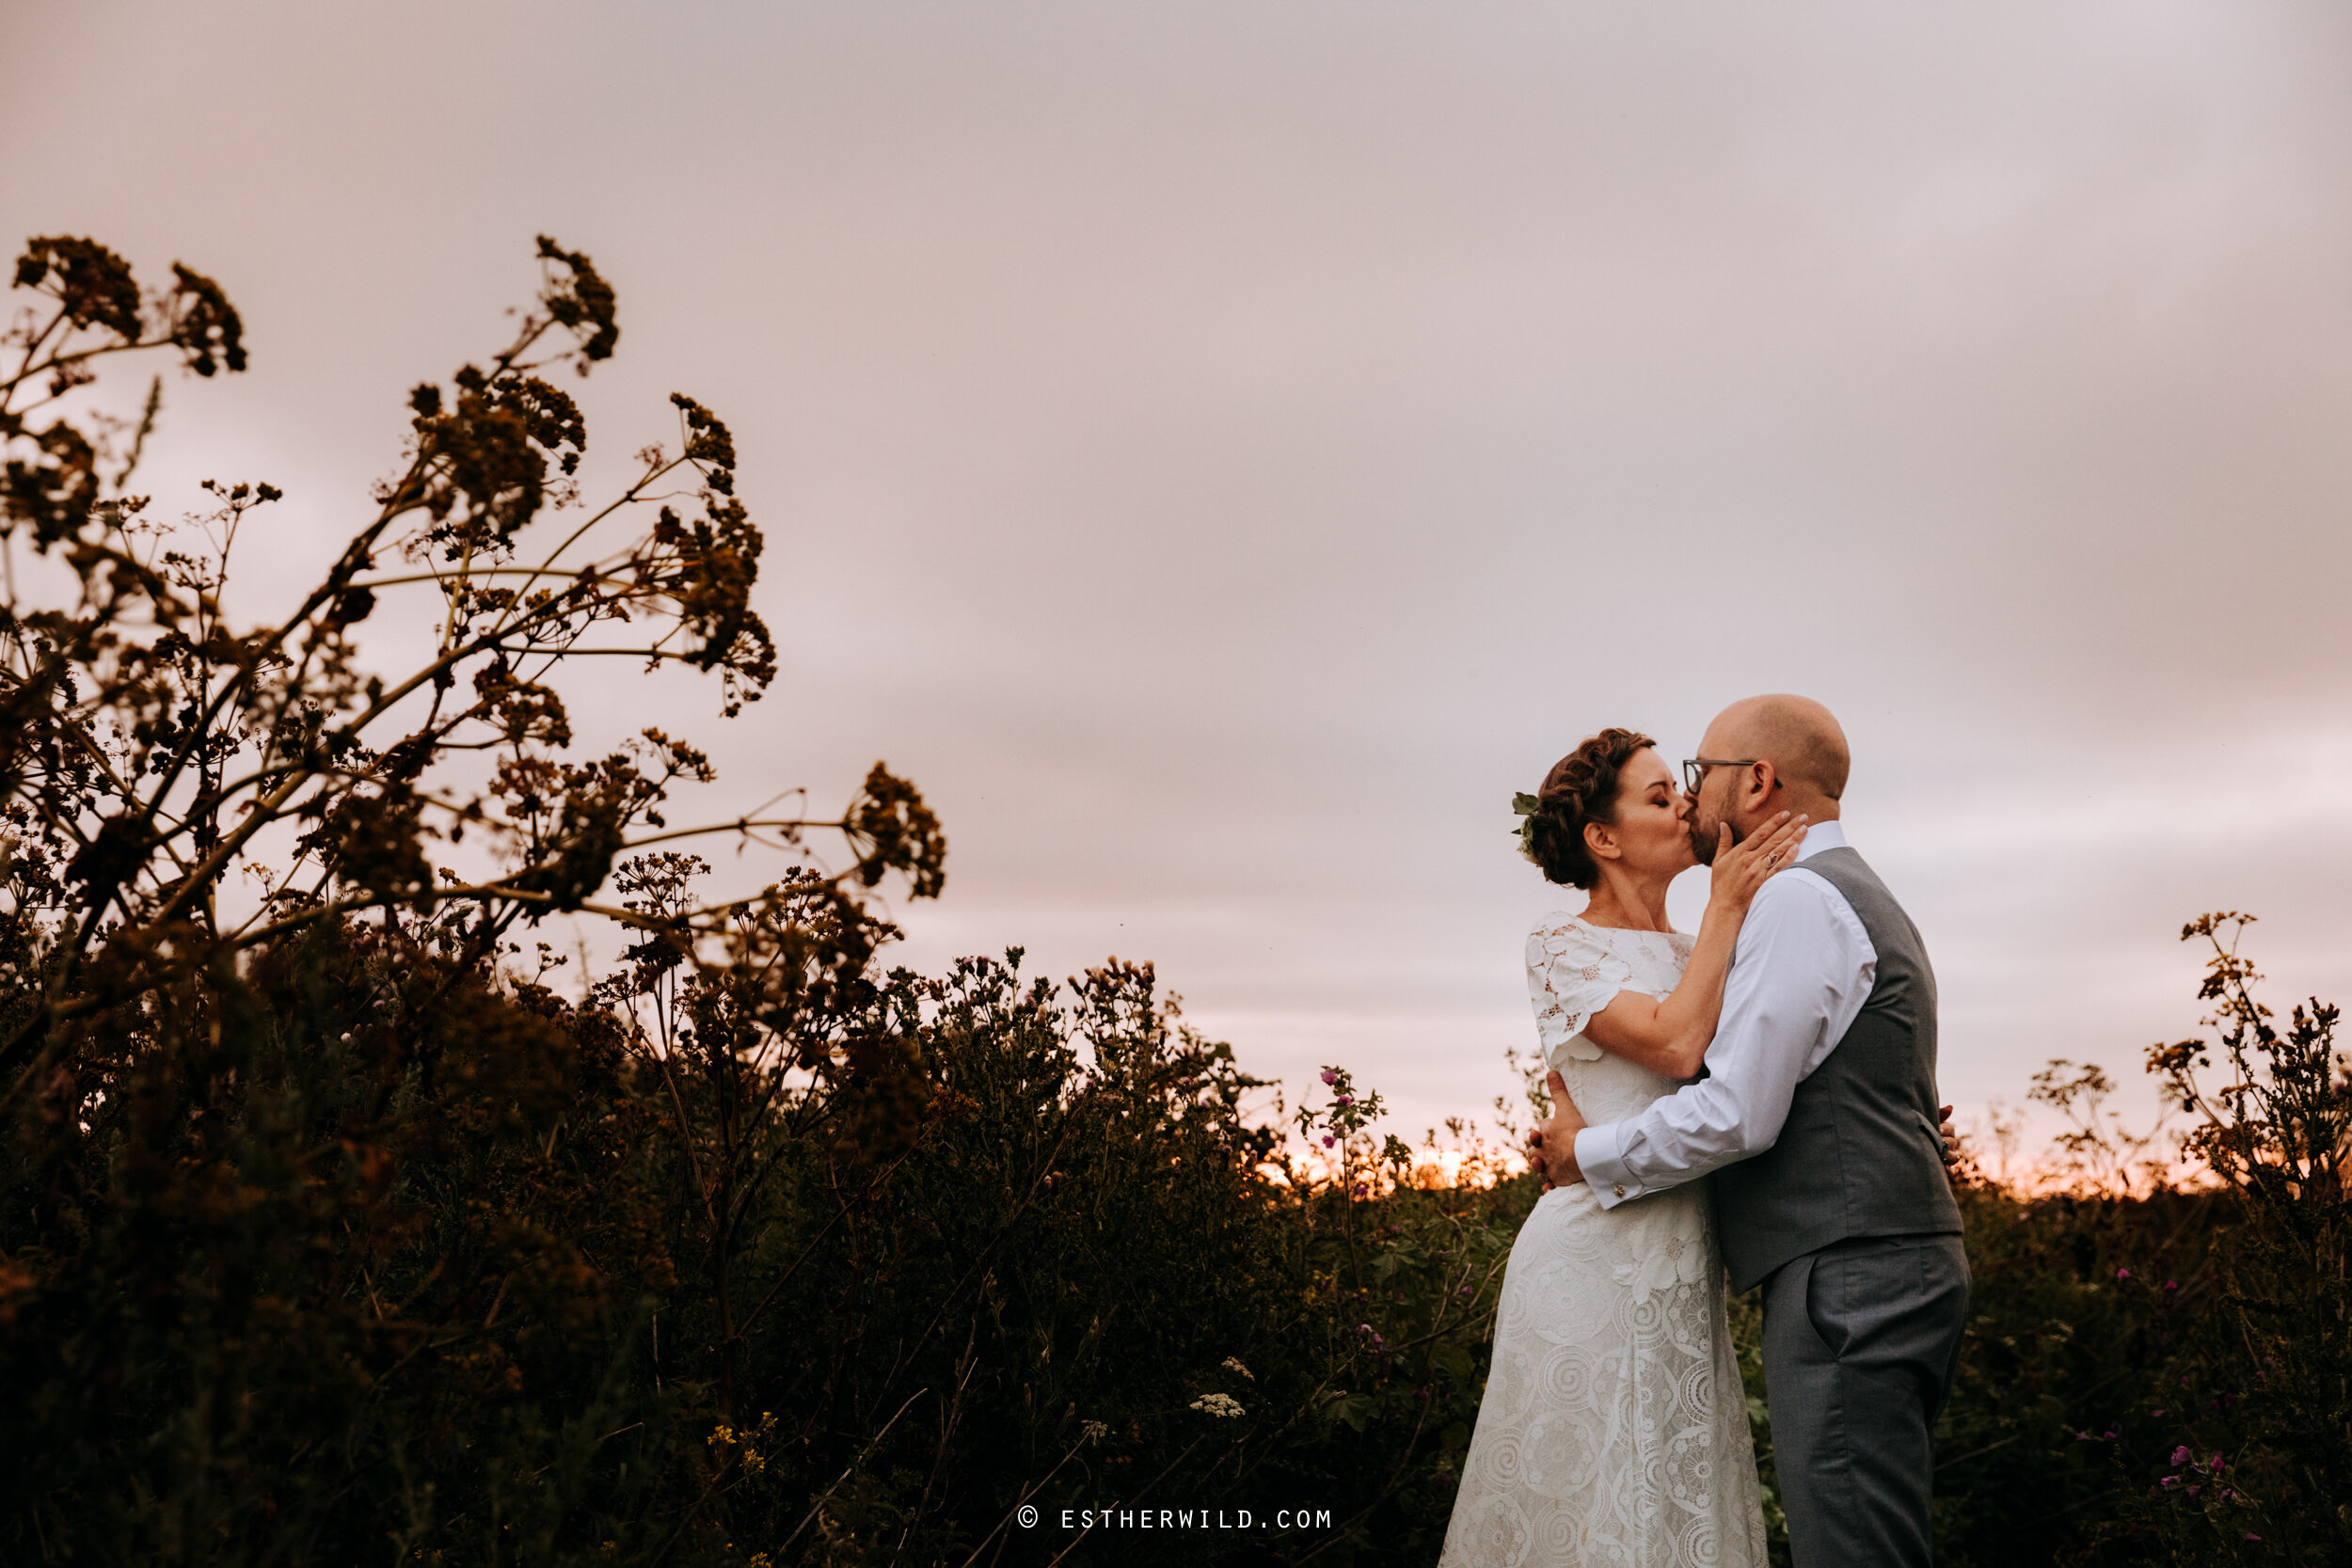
(1800, 973)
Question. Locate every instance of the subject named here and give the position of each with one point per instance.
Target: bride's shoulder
(1560, 933)
(1675, 949)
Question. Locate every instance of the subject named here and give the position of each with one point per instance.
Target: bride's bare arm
(1671, 1036)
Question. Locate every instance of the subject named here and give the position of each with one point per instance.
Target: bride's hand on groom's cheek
(1741, 868)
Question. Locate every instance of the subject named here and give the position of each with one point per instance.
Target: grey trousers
(1861, 1340)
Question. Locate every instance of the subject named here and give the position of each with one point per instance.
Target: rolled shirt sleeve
(1800, 973)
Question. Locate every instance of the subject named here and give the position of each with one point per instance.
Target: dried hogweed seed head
(93, 283)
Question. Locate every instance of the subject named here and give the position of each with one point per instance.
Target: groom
(1820, 1085)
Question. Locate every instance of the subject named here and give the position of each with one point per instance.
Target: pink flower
(1330, 1077)
(2122, 1274)
(1329, 1140)
(2180, 1455)
(1346, 1100)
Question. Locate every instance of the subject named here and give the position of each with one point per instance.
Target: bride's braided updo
(1582, 788)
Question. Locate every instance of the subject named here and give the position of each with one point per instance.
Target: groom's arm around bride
(1819, 1110)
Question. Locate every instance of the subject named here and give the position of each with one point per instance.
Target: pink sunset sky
(1220, 451)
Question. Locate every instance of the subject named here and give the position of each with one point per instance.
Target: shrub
(2255, 1464)
(326, 1237)
(331, 1233)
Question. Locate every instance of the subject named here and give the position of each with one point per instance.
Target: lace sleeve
(1571, 974)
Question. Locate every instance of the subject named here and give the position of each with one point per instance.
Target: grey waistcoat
(1860, 1155)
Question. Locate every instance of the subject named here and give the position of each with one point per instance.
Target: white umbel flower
(1217, 1405)
(1232, 1364)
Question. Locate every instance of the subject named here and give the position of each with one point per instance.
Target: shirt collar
(1820, 837)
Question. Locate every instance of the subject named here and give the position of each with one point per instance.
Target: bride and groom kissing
(1752, 1106)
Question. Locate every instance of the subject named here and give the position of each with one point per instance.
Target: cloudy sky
(1221, 450)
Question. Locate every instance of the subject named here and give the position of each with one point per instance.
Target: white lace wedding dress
(1613, 1429)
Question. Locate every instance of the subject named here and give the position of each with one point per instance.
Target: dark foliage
(332, 1235)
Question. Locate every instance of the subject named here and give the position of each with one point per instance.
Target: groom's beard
(1703, 843)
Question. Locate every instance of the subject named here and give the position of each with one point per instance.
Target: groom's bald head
(1800, 738)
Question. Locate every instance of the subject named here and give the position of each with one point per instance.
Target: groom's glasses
(1694, 769)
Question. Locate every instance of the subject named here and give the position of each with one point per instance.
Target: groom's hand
(1951, 1140)
(1554, 1142)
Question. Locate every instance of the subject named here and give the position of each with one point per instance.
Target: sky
(1220, 451)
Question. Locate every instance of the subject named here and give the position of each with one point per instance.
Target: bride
(1613, 1429)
